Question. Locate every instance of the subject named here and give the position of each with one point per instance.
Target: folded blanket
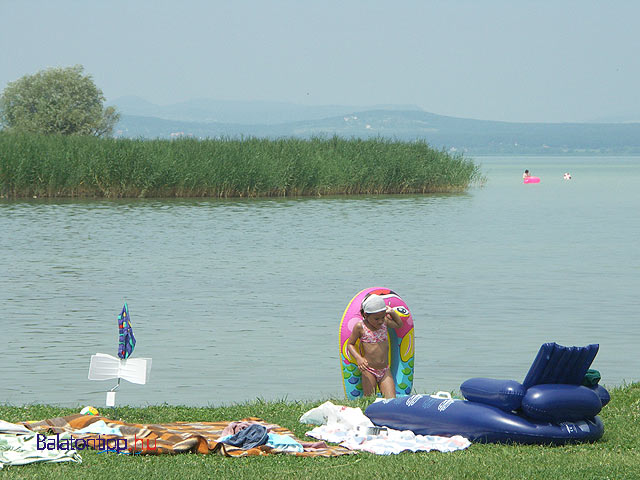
(171, 438)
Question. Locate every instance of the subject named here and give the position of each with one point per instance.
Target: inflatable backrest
(561, 403)
(557, 364)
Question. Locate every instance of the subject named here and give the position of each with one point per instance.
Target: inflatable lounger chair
(551, 406)
(557, 364)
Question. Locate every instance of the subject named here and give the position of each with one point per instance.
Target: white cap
(373, 304)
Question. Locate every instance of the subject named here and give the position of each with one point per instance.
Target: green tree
(56, 100)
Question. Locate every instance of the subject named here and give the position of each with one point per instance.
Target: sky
(509, 60)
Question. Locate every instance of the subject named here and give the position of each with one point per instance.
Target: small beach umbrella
(127, 341)
(105, 367)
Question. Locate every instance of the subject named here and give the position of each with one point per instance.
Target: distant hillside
(241, 112)
(466, 135)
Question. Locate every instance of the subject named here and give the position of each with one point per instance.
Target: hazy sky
(513, 60)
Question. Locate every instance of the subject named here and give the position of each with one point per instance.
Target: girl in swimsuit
(373, 359)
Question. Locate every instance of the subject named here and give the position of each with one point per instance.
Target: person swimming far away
(528, 178)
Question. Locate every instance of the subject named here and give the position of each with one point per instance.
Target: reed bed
(62, 166)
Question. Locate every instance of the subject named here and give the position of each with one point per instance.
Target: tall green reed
(58, 166)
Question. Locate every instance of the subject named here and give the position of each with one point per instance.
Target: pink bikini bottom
(377, 372)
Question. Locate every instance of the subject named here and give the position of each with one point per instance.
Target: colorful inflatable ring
(532, 180)
(401, 344)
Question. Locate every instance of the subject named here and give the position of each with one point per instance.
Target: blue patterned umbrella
(127, 341)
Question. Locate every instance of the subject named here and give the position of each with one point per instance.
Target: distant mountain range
(214, 119)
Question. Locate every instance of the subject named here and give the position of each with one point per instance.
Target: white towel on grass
(6, 427)
(23, 449)
(340, 425)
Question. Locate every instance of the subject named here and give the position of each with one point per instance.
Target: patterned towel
(171, 438)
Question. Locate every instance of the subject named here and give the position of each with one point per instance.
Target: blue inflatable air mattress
(549, 407)
(426, 415)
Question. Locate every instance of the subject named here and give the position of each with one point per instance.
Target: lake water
(240, 299)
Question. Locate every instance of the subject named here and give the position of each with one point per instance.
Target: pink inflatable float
(532, 180)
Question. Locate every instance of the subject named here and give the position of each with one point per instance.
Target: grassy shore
(63, 166)
(615, 456)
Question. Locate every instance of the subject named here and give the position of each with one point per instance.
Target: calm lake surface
(239, 299)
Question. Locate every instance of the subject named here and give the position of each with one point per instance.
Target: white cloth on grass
(23, 449)
(340, 424)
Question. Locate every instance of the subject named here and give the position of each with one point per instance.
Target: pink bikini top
(373, 336)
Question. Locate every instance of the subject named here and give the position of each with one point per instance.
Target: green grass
(72, 166)
(615, 456)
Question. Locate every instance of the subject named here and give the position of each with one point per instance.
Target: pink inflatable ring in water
(532, 180)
